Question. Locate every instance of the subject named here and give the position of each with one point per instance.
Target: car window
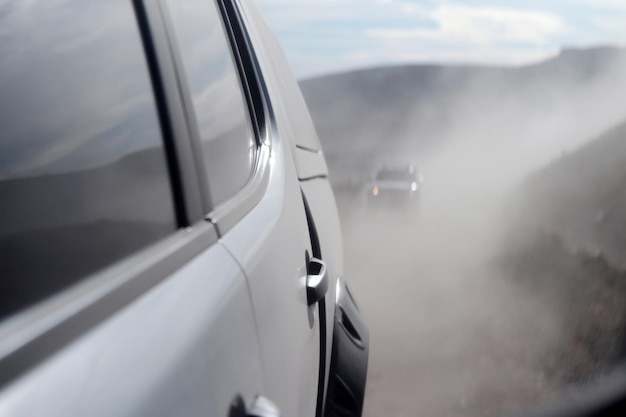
(83, 175)
(220, 109)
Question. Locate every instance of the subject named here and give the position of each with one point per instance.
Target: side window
(83, 175)
(221, 112)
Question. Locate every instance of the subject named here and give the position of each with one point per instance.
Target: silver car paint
(190, 344)
(270, 242)
(296, 126)
(171, 352)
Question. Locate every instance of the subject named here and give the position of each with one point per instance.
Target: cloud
(487, 55)
(602, 4)
(321, 36)
(479, 25)
(265, 3)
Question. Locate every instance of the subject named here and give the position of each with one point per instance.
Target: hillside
(508, 284)
(567, 249)
(582, 196)
(369, 115)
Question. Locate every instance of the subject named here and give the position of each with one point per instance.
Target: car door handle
(316, 281)
(262, 407)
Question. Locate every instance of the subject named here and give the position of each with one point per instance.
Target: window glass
(220, 109)
(83, 175)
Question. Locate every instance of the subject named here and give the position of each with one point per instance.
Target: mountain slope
(582, 196)
(369, 115)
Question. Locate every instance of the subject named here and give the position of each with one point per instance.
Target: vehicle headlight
(413, 186)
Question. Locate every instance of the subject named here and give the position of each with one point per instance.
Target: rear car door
(116, 296)
(344, 337)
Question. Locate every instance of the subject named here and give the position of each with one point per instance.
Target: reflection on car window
(220, 109)
(83, 177)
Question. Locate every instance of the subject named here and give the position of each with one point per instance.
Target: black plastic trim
(33, 335)
(315, 240)
(321, 376)
(317, 253)
(257, 86)
(349, 359)
(245, 66)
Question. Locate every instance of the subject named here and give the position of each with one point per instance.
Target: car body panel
(271, 243)
(171, 352)
(270, 232)
(294, 123)
(310, 164)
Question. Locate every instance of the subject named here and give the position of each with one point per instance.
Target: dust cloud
(462, 321)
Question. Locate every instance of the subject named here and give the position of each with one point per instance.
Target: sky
(329, 36)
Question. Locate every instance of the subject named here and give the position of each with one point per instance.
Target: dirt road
(454, 330)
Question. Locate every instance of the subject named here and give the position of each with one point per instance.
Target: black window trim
(226, 214)
(248, 68)
(30, 336)
(181, 144)
(235, 17)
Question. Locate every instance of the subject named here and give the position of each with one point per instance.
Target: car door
(252, 195)
(117, 297)
(272, 244)
(296, 129)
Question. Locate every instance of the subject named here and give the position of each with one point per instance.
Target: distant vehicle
(396, 184)
(169, 240)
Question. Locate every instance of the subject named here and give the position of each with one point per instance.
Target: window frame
(226, 214)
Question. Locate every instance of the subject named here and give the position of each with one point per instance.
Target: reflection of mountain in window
(220, 108)
(74, 92)
(83, 176)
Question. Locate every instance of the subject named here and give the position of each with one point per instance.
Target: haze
(506, 285)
